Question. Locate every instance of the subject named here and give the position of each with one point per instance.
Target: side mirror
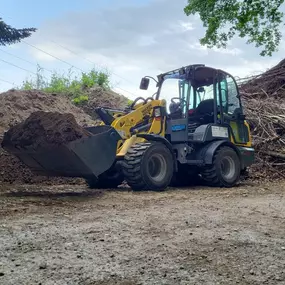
(144, 83)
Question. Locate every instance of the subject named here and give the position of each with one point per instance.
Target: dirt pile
(14, 171)
(40, 129)
(98, 97)
(264, 101)
(44, 129)
(15, 107)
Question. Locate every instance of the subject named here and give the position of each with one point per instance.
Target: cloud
(142, 39)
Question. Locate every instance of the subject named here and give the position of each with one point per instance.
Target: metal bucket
(86, 157)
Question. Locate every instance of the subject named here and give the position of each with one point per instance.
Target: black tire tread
(209, 174)
(132, 166)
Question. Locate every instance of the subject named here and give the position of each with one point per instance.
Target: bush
(73, 86)
(80, 100)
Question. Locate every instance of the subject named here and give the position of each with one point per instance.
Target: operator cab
(204, 94)
(201, 95)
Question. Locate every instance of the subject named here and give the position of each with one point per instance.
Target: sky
(129, 38)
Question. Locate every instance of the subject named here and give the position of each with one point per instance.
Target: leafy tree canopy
(258, 20)
(9, 35)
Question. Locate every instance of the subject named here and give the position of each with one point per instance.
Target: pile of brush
(263, 99)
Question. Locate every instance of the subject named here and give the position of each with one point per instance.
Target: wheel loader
(191, 129)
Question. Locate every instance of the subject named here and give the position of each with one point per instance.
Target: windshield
(169, 89)
(176, 88)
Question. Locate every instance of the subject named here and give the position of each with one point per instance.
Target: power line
(32, 63)
(18, 66)
(12, 64)
(95, 65)
(53, 56)
(6, 81)
(74, 52)
(69, 63)
(90, 61)
(125, 90)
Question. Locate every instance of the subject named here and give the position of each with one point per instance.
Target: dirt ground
(71, 235)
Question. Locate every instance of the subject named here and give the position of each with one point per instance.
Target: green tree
(257, 20)
(9, 35)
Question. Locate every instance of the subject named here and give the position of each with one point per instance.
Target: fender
(157, 138)
(208, 151)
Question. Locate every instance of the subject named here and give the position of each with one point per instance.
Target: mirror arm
(151, 78)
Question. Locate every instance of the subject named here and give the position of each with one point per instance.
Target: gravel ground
(69, 235)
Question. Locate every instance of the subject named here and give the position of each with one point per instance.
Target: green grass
(68, 84)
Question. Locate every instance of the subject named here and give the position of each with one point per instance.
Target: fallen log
(273, 153)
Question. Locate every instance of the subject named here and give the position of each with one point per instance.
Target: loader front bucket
(86, 157)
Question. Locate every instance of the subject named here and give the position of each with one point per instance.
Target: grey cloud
(118, 32)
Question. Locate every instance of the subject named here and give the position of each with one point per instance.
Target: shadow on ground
(60, 193)
(47, 194)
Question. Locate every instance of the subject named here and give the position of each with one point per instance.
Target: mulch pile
(263, 98)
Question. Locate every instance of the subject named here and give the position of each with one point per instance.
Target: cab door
(232, 110)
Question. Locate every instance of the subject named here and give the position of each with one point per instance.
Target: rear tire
(225, 170)
(112, 178)
(148, 166)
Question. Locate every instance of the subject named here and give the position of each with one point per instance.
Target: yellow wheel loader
(192, 128)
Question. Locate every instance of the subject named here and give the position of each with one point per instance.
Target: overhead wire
(22, 68)
(12, 64)
(61, 60)
(41, 50)
(119, 88)
(30, 62)
(90, 61)
(6, 81)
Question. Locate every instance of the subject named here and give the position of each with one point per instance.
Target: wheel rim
(157, 167)
(228, 168)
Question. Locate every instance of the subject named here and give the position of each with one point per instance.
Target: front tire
(225, 170)
(148, 166)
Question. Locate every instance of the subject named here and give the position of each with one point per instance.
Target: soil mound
(44, 129)
(16, 106)
(99, 97)
(12, 170)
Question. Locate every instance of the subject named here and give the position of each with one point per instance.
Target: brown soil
(12, 170)
(44, 130)
(15, 107)
(98, 97)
